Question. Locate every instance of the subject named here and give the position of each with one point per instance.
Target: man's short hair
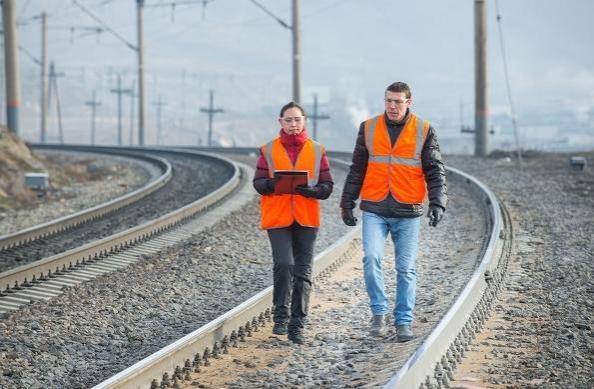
(399, 87)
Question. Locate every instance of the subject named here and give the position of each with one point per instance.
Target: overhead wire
(108, 28)
(267, 11)
(24, 8)
(507, 83)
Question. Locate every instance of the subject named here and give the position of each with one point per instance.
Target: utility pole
(132, 96)
(139, 48)
(139, 51)
(3, 86)
(183, 95)
(13, 89)
(43, 76)
(317, 116)
(211, 111)
(93, 104)
(481, 114)
(296, 53)
(294, 27)
(159, 104)
(53, 81)
(120, 92)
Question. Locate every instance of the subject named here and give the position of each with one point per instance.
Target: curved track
(25, 238)
(44, 279)
(213, 338)
(186, 178)
(430, 363)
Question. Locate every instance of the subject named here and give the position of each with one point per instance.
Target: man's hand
(347, 217)
(308, 191)
(435, 215)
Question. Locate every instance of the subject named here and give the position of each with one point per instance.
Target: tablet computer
(285, 181)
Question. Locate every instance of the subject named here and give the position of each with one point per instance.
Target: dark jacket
(433, 170)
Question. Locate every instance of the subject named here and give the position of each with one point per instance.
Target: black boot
(295, 335)
(280, 316)
(280, 328)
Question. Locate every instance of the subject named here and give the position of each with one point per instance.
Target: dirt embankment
(17, 158)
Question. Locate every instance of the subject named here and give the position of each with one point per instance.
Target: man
(396, 164)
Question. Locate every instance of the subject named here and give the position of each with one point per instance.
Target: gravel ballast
(338, 351)
(100, 327)
(541, 332)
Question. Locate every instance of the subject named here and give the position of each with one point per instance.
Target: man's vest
(281, 210)
(396, 170)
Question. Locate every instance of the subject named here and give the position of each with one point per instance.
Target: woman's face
(293, 121)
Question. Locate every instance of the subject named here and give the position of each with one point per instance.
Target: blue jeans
(405, 235)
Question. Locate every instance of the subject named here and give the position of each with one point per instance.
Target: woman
(292, 220)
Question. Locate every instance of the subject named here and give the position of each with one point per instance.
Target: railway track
(214, 336)
(43, 279)
(26, 237)
(429, 365)
(183, 181)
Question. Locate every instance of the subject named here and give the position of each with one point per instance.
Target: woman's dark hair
(292, 104)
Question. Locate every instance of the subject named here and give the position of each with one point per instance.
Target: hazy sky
(351, 50)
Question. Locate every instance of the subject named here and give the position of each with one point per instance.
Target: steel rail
(23, 275)
(429, 366)
(432, 363)
(207, 341)
(55, 226)
(222, 331)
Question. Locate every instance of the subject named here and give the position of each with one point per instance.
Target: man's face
(396, 105)
(292, 121)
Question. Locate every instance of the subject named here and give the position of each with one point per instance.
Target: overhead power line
(28, 53)
(509, 96)
(279, 20)
(179, 2)
(176, 3)
(108, 28)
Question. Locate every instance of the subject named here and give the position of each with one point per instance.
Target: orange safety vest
(396, 170)
(281, 210)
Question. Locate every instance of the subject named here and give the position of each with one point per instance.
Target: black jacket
(433, 170)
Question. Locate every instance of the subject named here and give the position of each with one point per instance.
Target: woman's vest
(281, 210)
(396, 170)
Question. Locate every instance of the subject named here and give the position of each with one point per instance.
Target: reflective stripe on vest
(283, 210)
(395, 169)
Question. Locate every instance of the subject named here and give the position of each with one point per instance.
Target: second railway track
(44, 279)
(187, 177)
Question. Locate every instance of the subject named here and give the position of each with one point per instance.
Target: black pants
(292, 253)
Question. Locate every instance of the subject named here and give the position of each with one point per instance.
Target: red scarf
(293, 143)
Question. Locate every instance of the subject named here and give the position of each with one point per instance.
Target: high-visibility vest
(396, 170)
(281, 210)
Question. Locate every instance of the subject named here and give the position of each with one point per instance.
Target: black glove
(347, 217)
(313, 192)
(435, 215)
(268, 187)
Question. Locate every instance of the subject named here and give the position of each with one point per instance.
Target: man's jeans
(405, 235)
